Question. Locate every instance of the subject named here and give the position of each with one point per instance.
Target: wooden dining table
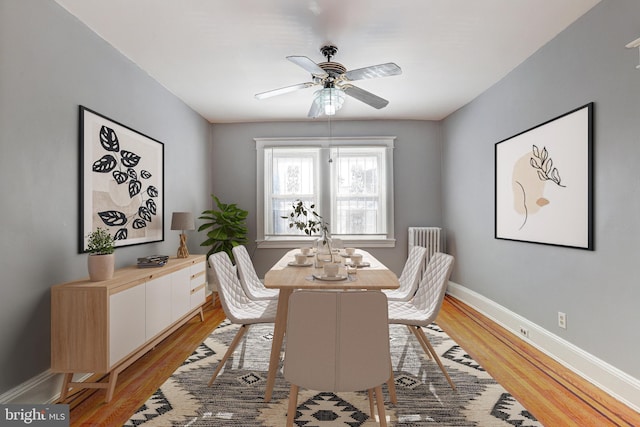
(372, 275)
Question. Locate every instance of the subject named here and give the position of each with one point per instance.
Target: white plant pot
(101, 267)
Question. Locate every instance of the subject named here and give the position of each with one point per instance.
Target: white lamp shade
(330, 99)
(182, 221)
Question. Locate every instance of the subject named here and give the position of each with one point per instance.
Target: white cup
(331, 269)
(301, 258)
(350, 251)
(356, 259)
(306, 250)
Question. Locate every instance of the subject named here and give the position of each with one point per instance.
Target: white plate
(362, 264)
(330, 278)
(295, 264)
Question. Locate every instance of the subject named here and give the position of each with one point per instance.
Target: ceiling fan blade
(381, 70)
(309, 65)
(283, 90)
(367, 97)
(315, 110)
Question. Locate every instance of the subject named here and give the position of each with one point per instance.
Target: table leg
(278, 339)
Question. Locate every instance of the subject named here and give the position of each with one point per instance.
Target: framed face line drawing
(544, 182)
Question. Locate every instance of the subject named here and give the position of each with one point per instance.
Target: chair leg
(428, 347)
(293, 405)
(372, 409)
(243, 329)
(414, 331)
(391, 385)
(382, 416)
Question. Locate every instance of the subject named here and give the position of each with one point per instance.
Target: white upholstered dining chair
(410, 276)
(237, 306)
(423, 308)
(253, 286)
(337, 341)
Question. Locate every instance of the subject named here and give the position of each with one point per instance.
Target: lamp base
(183, 252)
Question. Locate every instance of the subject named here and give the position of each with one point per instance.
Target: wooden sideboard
(103, 327)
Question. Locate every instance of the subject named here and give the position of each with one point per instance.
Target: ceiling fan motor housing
(334, 69)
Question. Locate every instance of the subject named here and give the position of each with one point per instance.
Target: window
(349, 180)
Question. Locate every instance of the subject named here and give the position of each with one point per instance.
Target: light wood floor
(553, 394)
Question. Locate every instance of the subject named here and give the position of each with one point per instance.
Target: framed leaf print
(121, 182)
(544, 182)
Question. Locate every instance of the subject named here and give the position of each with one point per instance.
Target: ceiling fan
(336, 83)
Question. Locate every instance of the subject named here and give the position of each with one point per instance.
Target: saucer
(295, 264)
(343, 254)
(330, 278)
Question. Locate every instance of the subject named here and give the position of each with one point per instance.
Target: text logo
(34, 415)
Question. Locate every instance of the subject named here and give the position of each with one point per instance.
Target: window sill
(289, 243)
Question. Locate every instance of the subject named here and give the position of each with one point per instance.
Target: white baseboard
(41, 389)
(608, 378)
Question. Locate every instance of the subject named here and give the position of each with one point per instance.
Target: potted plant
(310, 222)
(227, 227)
(101, 261)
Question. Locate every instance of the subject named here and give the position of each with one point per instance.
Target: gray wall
(417, 159)
(598, 290)
(49, 64)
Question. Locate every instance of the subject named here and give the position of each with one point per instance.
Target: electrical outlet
(562, 320)
(524, 331)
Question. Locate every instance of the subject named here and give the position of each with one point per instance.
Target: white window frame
(325, 145)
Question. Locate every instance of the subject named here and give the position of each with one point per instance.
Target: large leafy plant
(227, 227)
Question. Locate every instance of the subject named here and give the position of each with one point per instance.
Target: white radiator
(428, 237)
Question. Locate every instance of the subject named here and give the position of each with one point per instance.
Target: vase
(323, 247)
(101, 267)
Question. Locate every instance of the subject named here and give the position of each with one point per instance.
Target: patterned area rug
(236, 398)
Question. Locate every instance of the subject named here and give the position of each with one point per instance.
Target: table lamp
(183, 221)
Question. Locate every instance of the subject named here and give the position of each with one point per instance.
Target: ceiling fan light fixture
(330, 99)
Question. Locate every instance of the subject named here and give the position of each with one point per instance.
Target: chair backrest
(248, 277)
(433, 286)
(232, 296)
(337, 341)
(410, 276)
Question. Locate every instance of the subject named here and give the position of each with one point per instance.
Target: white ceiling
(216, 55)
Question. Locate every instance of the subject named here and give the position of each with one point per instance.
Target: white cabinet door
(126, 322)
(180, 290)
(158, 305)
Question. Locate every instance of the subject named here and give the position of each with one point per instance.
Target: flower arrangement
(310, 223)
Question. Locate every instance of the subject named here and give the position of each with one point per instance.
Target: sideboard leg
(65, 386)
(113, 377)
(201, 315)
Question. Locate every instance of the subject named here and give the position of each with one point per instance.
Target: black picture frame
(544, 182)
(121, 181)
